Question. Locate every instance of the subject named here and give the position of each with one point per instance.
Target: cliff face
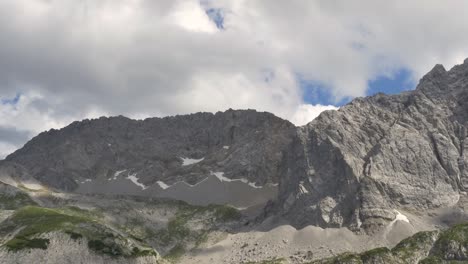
(244, 145)
(355, 166)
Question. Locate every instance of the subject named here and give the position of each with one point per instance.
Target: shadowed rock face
(354, 166)
(242, 144)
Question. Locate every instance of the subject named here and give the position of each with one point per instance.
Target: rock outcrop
(355, 166)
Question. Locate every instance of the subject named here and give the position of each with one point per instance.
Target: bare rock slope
(357, 166)
(181, 157)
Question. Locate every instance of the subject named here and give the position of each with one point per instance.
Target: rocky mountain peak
(354, 167)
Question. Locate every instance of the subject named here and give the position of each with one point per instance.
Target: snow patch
(86, 180)
(116, 174)
(162, 185)
(303, 189)
(359, 222)
(134, 179)
(220, 176)
(189, 161)
(400, 217)
(225, 147)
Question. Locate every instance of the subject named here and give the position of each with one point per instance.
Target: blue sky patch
(11, 101)
(400, 81)
(317, 93)
(216, 15)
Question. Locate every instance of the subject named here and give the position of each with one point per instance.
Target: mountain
(182, 157)
(359, 165)
(253, 186)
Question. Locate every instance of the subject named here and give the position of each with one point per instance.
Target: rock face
(137, 155)
(354, 166)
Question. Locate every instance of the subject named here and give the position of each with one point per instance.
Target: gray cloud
(13, 136)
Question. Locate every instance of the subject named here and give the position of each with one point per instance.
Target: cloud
(12, 135)
(75, 59)
(305, 113)
(10, 139)
(6, 148)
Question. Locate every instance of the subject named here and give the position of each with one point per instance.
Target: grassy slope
(32, 221)
(179, 235)
(112, 238)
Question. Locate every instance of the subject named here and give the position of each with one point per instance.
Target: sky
(66, 60)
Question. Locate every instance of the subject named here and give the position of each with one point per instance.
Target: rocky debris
(447, 246)
(63, 249)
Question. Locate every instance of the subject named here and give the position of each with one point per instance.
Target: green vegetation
(457, 234)
(227, 213)
(431, 260)
(188, 228)
(376, 255)
(15, 201)
(270, 261)
(452, 242)
(107, 246)
(178, 232)
(142, 252)
(379, 255)
(74, 235)
(175, 253)
(19, 243)
(76, 222)
(345, 258)
(38, 220)
(419, 242)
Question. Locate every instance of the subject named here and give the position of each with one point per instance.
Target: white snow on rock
(134, 179)
(220, 176)
(400, 217)
(225, 147)
(162, 185)
(116, 174)
(303, 189)
(86, 180)
(189, 161)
